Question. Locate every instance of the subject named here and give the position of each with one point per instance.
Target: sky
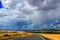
(29, 14)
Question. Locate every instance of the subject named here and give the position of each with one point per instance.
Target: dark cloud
(44, 4)
(37, 17)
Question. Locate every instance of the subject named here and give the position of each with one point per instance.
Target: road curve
(32, 37)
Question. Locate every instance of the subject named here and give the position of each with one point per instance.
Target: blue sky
(29, 14)
(1, 6)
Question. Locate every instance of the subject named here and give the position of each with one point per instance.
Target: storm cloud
(44, 4)
(38, 12)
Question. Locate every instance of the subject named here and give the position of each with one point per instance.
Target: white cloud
(22, 11)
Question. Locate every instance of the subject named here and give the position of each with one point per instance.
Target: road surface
(32, 37)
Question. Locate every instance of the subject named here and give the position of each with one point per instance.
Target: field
(4, 35)
(52, 36)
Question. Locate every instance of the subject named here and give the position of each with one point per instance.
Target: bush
(6, 35)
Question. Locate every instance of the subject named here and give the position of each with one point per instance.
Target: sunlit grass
(12, 34)
(52, 36)
(19, 34)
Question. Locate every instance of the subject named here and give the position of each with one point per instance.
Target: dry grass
(19, 34)
(52, 36)
(12, 34)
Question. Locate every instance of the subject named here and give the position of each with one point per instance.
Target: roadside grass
(4, 35)
(48, 35)
(51, 36)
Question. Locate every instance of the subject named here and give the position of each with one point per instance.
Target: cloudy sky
(29, 14)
